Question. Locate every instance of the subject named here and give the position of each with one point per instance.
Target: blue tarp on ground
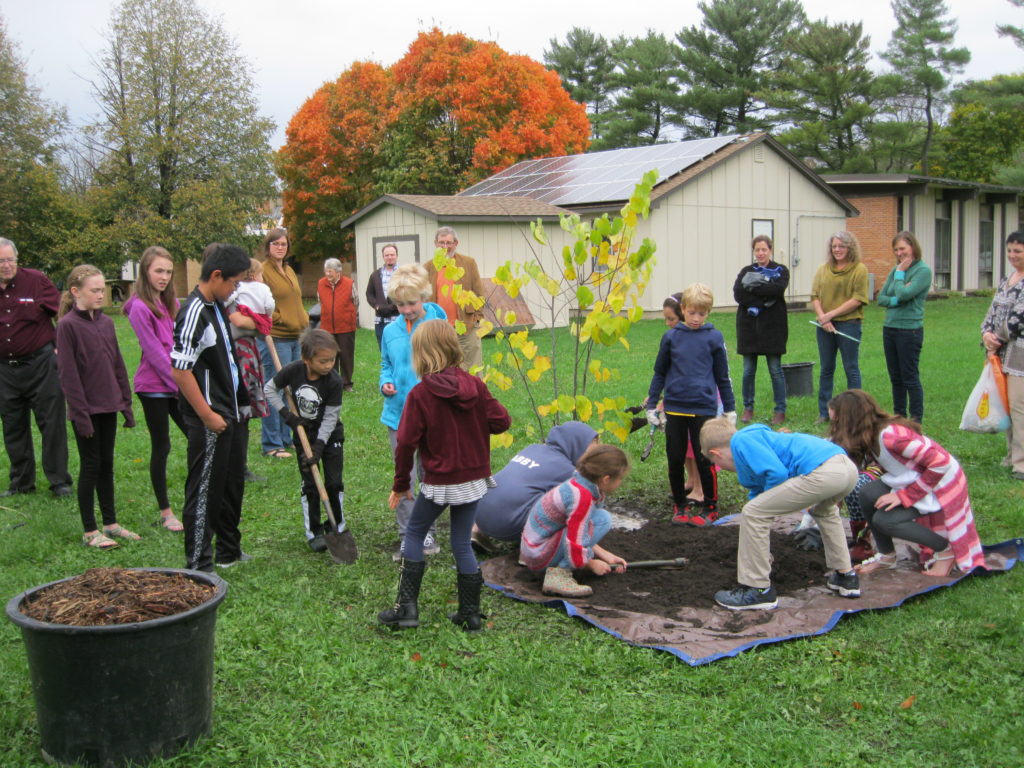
(702, 635)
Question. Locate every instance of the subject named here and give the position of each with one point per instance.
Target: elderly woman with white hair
(338, 304)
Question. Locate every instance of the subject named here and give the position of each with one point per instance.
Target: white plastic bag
(986, 410)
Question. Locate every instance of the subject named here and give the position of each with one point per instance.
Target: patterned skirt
(252, 375)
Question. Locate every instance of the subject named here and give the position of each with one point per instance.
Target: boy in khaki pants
(784, 472)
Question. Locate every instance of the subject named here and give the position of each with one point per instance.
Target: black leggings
(898, 522)
(159, 412)
(96, 470)
(679, 429)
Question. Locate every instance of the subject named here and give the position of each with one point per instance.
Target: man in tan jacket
(470, 281)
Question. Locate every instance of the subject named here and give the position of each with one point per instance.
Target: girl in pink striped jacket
(565, 525)
(922, 497)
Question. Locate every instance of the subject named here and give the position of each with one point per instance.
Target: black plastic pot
(128, 692)
(799, 379)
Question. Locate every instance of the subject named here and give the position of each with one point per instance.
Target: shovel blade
(342, 547)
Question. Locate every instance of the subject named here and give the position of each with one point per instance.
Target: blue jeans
(276, 434)
(424, 513)
(902, 355)
(828, 345)
(750, 381)
(601, 519)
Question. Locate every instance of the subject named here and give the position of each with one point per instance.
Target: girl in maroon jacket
(87, 351)
(449, 418)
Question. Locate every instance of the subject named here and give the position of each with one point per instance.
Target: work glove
(656, 418)
(293, 420)
(808, 539)
(317, 451)
(731, 416)
(753, 278)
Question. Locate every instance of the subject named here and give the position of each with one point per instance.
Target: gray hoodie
(531, 473)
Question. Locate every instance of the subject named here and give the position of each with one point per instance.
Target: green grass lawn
(304, 676)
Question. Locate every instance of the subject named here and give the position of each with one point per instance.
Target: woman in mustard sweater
(290, 320)
(838, 295)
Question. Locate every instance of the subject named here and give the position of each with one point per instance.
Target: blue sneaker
(747, 598)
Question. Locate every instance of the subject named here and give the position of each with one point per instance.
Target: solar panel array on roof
(598, 177)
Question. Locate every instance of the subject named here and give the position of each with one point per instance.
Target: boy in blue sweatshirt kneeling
(783, 473)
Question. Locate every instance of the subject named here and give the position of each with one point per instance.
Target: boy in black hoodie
(692, 369)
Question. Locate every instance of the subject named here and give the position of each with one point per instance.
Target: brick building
(961, 225)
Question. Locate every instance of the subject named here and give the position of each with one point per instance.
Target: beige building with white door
(713, 197)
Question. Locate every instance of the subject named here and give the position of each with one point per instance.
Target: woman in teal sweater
(903, 297)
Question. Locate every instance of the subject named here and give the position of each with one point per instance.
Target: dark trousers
(829, 344)
(96, 470)
(774, 371)
(378, 328)
(346, 356)
(33, 387)
(332, 467)
(677, 430)
(213, 493)
(902, 357)
(424, 513)
(159, 413)
(895, 523)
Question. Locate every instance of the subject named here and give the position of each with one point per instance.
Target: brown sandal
(98, 540)
(171, 523)
(121, 533)
(878, 562)
(941, 565)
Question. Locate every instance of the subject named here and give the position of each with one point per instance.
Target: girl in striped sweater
(922, 497)
(564, 527)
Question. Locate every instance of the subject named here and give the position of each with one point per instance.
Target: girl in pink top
(151, 311)
(922, 497)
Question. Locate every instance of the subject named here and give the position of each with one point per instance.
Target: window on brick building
(986, 244)
(943, 243)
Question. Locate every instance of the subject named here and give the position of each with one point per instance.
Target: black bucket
(107, 695)
(799, 379)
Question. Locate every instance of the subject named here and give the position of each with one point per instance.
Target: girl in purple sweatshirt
(151, 311)
(87, 351)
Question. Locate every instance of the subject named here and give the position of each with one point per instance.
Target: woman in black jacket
(762, 326)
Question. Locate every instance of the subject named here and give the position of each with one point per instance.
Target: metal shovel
(677, 562)
(650, 444)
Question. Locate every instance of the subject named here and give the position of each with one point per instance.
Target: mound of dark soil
(712, 566)
(103, 596)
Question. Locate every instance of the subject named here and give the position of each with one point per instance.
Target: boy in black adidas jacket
(207, 373)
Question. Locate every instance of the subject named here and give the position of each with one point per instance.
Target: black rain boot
(406, 613)
(468, 616)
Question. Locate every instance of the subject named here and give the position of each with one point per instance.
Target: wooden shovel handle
(309, 453)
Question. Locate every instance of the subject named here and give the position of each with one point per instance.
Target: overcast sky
(295, 46)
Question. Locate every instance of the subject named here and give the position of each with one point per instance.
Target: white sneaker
(430, 545)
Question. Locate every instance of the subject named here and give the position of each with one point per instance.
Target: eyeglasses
(9, 260)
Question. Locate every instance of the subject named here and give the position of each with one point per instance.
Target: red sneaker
(704, 515)
(680, 516)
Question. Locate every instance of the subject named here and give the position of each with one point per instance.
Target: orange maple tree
(451, 112)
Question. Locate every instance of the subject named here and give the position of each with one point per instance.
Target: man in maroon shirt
(28, 376)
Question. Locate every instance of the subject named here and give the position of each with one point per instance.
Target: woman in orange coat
(338, 305)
